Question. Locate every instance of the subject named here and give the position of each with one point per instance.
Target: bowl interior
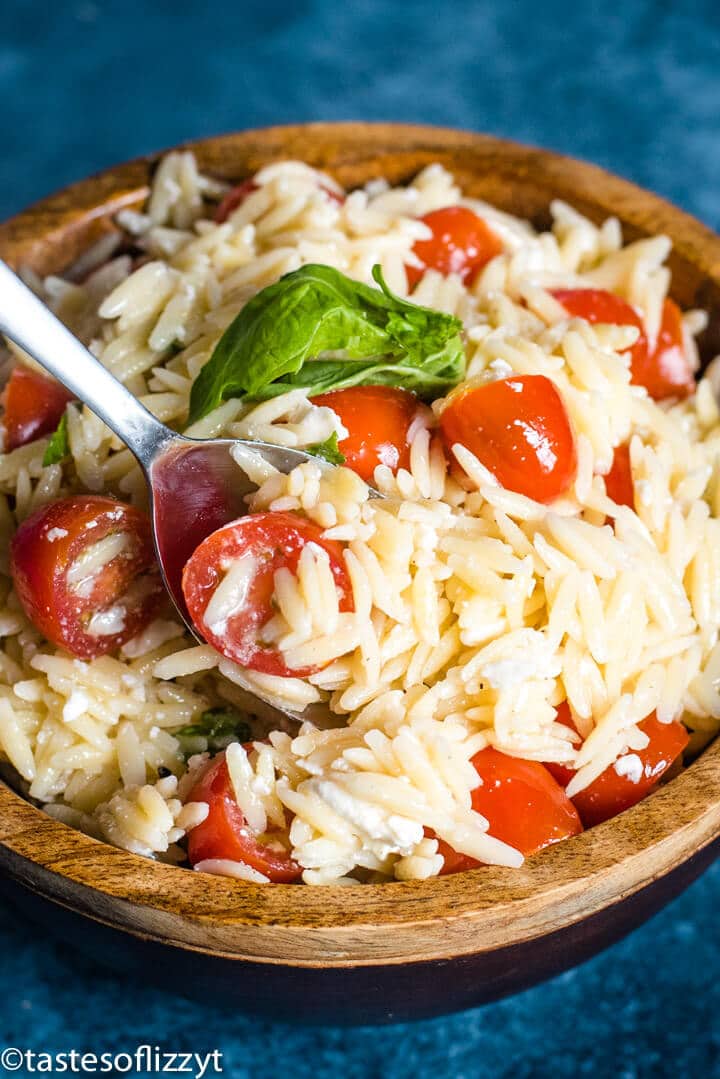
(443, 917)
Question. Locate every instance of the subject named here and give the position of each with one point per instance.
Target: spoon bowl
(197, 487)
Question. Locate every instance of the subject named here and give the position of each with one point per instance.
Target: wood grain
(470, 914)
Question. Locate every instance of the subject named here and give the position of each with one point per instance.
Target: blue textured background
(634, 86)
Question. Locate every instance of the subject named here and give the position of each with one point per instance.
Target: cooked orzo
(519, 640)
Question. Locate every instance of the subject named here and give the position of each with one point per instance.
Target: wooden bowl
(404, 950)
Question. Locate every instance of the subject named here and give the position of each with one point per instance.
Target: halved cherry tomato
(619, 481)
(236, 197)
(664, 372)
(225, 833)
(518, 428)
(461, 243)
(523, 804)
(640, 770)
(272, 540)
(34, 405)
(94, 613)
(377, 419)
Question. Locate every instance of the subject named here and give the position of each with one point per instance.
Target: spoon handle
(32, 326)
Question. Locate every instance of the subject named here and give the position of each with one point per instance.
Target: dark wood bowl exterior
(351, 995)
(338, 954)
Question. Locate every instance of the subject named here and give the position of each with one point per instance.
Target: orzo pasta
(515, 642)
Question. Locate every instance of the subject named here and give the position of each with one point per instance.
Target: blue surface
(634, 86)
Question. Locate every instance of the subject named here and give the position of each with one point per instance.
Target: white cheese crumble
(381, 833)
(533, 657)
(630, 766)
(500, 368)
(108, 622)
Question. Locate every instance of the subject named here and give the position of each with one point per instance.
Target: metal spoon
(195, 486)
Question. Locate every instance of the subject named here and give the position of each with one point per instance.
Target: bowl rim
(443, 917)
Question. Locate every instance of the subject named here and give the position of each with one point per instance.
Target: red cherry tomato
(518, 428)
(524, 805)
(619, 481)
(34, 406)
(123, 593)
(274, 540)
(225, 833)
(333, 195)
(664, 372)
(461, 243)
(613, 792)
(377, 419)
(236, 197)
(561, 772)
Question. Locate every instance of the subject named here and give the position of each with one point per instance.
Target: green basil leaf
(328, 450)
(214, 730)
(318, 330)
(325, 375)
(58, 448)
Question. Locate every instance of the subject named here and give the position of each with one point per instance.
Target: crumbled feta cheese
(630, 767)
(108, 622)
(380, 833)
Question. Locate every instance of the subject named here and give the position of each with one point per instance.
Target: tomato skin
(225, 834)
(276, 540)
(377, 419)
(236, 197)
(333, 195)
(611, 793)
(524, 805)
(519, 428)
(34, 405)
(618, 481)
(46, 545)
(597, 305)
(461, 243)
(664, 371)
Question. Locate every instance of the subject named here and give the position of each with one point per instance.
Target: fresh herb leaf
(328, 450)
(213, 731)
(58, 448)
(319, 330)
